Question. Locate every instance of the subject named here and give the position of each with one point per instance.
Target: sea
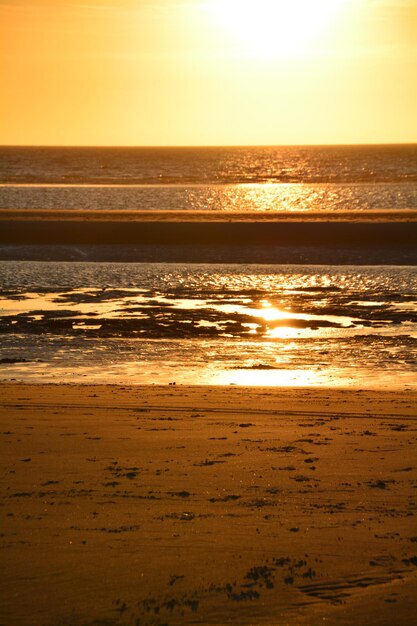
(353, 178)
(209, 323)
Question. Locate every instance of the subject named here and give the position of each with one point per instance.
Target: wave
(44, 178)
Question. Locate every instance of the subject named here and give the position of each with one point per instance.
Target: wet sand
(380, 237)
(201, 505)
(124, 215)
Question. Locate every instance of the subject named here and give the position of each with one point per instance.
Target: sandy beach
(208, 313)
(169, 505)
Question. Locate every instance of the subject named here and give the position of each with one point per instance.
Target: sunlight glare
(271, 378)
(276, 28)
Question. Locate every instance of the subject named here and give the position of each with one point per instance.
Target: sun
(275, 27)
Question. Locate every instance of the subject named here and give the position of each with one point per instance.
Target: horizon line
(200, 146)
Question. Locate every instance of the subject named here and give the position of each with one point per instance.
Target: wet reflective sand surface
(217, 324)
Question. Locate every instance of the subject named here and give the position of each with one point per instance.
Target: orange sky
(208, 72)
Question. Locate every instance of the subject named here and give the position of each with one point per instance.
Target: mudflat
(169, 505)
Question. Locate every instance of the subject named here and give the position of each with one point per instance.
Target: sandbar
(210, 237)
(137, 215)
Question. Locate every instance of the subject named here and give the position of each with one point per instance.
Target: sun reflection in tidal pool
(217, 324)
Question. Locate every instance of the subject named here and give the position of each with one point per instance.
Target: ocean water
(334, 178)
(209, 324)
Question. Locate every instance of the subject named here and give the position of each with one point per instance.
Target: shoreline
(125, 215)
(402, 387)
(196, 505)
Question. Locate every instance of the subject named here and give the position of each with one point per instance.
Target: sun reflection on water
(242, 325)
(267, 378)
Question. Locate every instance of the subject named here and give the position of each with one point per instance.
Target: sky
(207, 72)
